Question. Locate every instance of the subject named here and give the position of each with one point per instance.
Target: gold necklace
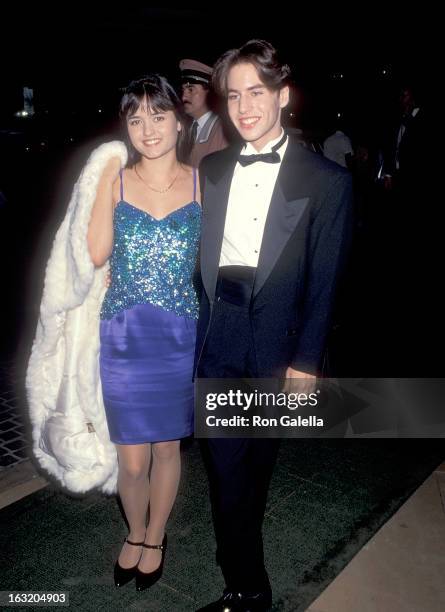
(152, 188)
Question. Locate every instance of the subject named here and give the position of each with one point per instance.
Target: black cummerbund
(235, 284)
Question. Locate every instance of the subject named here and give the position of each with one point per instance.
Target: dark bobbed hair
(272, 72)
(156, 91)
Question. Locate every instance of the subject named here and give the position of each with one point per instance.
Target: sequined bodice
(153, 260)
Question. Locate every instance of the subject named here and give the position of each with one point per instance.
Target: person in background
(405, 163)
(197, 96)
(338, 147)
(416, 228)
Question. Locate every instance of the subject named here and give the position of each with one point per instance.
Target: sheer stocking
(164, 482)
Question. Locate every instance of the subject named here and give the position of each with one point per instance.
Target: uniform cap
(195, 72)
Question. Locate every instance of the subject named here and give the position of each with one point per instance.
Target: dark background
(77, 57)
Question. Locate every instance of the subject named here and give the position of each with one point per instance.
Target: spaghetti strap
(194, 184)
(122, 184)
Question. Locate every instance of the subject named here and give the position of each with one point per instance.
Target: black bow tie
(272, 157)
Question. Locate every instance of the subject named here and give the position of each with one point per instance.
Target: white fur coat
(70, 433)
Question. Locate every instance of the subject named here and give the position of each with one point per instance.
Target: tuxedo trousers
(239, 470)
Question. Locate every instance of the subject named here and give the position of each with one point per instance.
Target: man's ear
(284, 96)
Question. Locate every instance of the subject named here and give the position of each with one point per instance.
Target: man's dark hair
(156, 91)
(272, 72)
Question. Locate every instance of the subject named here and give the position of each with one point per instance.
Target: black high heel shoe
(123, 575)
(144, 580)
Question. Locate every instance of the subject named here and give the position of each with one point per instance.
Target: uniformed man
(207, 128)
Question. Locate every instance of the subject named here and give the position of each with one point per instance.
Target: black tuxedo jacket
(306, 237)
(413, 151)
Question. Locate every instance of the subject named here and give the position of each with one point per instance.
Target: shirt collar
(249, 149)
(203, 119)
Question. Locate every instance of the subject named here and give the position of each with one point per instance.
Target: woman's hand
(108, 279)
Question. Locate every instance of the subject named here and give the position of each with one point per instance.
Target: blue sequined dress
(148, 324)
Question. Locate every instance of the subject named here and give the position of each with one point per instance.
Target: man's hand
(299, 382)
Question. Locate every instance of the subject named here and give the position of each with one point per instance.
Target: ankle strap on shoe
(156, 546)
(133, 543)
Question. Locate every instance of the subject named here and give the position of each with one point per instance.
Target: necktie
(194, 130)
(272, 157)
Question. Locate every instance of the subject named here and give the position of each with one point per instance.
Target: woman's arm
(100, 229)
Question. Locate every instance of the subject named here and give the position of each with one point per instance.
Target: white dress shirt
(249, 200)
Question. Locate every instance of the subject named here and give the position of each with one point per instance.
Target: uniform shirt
(201, 122)
(249, 200)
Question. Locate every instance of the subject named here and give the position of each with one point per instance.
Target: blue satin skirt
(146, 368)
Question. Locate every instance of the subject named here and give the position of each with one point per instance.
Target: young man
(208, 134)
(276, 223)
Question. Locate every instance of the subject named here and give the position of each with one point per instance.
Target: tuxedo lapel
(216, 198)
(289, 201)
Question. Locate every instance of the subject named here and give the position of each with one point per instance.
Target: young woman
(146, 221)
